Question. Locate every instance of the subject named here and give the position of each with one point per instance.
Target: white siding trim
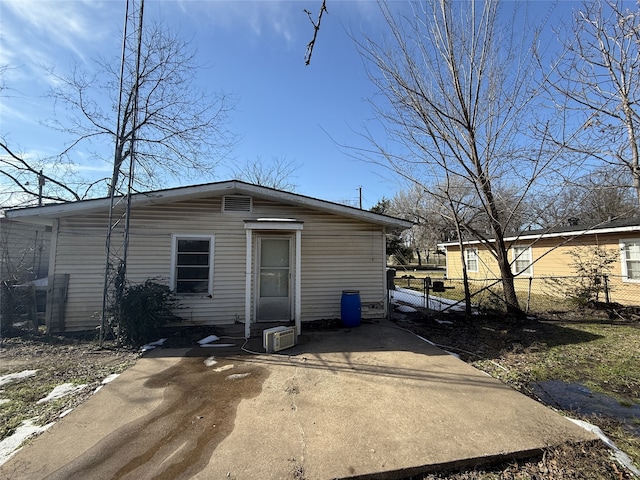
(247, 292)
(298, 282)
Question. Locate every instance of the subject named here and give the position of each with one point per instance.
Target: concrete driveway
(369, 402)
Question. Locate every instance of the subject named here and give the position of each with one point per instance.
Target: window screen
(193, 265)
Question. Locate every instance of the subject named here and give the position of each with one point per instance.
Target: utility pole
(360, 190)
(40, 187)
(117, 239)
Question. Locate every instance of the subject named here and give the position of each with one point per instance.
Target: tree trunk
(508, 285)
(465, 277)
(633, 145)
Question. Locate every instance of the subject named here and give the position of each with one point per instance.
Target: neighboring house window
(192, 264)
(522, 261)
(630, 252)
(471, 259)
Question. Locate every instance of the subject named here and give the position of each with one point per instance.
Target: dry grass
(582, 347)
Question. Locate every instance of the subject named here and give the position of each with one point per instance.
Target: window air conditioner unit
(278, 338)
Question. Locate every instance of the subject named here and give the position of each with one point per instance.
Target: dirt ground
(78, 360)
(58, 360)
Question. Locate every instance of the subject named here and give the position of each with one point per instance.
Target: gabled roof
(46, 213)
(621, 225)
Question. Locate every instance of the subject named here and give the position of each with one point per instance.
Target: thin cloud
(50, 26)
(282, 19)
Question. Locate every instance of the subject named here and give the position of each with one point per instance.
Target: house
(233, 252)
(24, 251)
(543, 254)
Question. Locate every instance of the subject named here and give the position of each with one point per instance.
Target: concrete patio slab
(369, 402)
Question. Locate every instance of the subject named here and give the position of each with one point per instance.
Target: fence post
(427, 284)
(606, 288)
(529, 295)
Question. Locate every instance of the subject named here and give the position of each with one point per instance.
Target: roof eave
(540, 236)
(197, 191)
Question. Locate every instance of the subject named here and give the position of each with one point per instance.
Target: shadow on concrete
(338, 351)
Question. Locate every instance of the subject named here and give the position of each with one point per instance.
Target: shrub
(141, 312)
(592, 264)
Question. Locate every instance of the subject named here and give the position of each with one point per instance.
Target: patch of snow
(40, 282)
(620, 456)
(210, 362)
(417, 299)
(238, 376)
(218, 345)
(12, 377)
(223, 368)
(152, 345)
(4, 400)
(65, 413)
(110, 378)
(61, 391)
(443, 322)
(405, 309)
(209, 339)
(11, 445)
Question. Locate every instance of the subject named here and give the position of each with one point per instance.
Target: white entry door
(274, 279)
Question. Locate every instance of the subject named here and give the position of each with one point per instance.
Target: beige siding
(337, 254)
(552, 258)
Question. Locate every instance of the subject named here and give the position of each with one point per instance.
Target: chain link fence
(535, 294)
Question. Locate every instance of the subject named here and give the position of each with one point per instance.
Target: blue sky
(253, 50)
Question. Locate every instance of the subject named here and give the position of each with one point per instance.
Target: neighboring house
(232, 251)
(547, 253)
(24, 251)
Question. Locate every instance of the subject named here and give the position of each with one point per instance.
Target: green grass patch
(609, 364)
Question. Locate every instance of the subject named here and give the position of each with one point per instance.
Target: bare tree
(181, 129)
(459, 85)
(591, 199)
(598, 74)
(22, 179)
(25, 180)
(274, 174)
(429, 226)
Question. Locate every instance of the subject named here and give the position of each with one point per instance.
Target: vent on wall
(236, 203)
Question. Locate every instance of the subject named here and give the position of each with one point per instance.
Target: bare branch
(316, 29)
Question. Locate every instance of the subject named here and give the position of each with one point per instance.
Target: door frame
(258, 267)
(271, 225)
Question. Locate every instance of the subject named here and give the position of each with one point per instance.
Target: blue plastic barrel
(350, 308)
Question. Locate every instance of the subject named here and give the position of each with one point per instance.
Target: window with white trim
(192, 264)
(471, 259)
(522, 261)
(630, 259)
